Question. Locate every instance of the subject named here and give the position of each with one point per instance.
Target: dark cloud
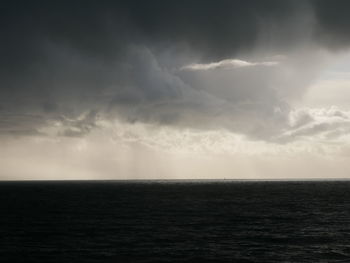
(103, 28)
(122, 58)
(333, 23)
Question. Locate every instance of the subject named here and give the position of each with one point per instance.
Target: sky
(174, 89)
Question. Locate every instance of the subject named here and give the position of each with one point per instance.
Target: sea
(175, 221)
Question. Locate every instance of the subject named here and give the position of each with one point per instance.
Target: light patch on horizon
(332, 87)
(142, 151)
(327, 93)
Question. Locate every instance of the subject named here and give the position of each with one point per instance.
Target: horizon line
(180, 180)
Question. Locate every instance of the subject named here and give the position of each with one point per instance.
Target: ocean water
(223, 221)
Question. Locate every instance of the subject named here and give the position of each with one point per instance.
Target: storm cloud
(236, 65)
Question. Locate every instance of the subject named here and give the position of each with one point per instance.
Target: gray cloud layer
(122, 59)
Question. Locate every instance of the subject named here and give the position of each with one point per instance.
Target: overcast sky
(174, 89)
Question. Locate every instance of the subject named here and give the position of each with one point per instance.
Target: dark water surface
(175, 221)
